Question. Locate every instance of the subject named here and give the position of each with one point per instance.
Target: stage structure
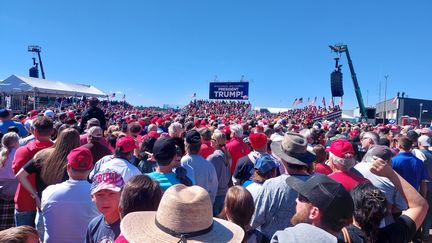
(21, 93)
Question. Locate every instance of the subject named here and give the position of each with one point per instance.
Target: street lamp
(385, 99)
(421, 112)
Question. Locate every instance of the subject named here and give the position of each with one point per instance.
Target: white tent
(36, 86)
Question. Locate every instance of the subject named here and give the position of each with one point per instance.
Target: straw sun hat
(184, 215)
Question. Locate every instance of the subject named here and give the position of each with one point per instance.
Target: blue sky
(161, 52)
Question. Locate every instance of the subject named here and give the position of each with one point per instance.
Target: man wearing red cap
(206, 148)
(236, 147)
(67, 207)
(120, 162)
(341, 161)
(246, 163)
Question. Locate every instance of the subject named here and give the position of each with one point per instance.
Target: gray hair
(237, 129)
(175, 129)
(372, 135)
(341, 163)
(151, 127)
(305, 133)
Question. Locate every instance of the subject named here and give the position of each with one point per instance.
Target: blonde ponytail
(9, 141)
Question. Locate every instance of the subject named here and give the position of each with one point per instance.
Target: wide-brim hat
(140, 227)
(182, 210)
(292, 148)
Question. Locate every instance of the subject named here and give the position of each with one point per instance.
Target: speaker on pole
(336, 84)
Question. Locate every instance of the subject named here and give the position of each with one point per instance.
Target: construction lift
(340, 48)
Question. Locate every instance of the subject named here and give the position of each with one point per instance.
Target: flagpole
(385, 99)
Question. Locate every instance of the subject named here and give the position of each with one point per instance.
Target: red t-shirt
(23, 200)
(348, 179)
(237, 148)
(206, 150)
(323, 169)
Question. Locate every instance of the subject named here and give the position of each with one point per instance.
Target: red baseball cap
(257, 140)
(127, 143)
(33, 113)
(154, 134)
(342, 149)
(70, 114)
(80, 159)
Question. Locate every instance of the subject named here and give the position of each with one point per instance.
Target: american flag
(340, 102)
(394, 100)
(313, 102)
(299, 101)
(295, 101)
(324, 102)
(124, 97)
(193, 96)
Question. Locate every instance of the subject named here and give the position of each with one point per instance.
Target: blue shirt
(165, 180)
(410, 168)
(4, 125)
(99, 231)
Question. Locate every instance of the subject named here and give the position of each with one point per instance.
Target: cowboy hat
(292, 148)
(184, 215)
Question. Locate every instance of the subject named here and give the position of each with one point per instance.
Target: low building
(398, 107)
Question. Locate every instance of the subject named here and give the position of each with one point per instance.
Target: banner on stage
(229, 90)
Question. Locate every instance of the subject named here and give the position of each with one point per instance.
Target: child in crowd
(106, 191)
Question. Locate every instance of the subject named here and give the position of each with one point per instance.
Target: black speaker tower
(336, 81)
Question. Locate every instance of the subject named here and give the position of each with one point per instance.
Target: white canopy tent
(37, 87)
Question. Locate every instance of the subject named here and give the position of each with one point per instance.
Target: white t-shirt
(122, 166)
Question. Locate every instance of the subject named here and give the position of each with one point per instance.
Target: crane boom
(339, 48)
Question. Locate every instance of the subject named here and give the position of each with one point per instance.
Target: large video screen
(229, 90)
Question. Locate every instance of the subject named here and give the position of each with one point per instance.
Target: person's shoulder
(154, 175)
(52, 190)
(186, 158)
(276, 182)
(96, 221)
(301, 232)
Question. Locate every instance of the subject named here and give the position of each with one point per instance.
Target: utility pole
(421, 112)
(385, 99)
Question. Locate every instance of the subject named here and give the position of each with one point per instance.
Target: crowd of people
(212, 172)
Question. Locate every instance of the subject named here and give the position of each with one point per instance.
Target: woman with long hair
(238, 208)
(49, 164)
(221, 160)
(8, 182)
